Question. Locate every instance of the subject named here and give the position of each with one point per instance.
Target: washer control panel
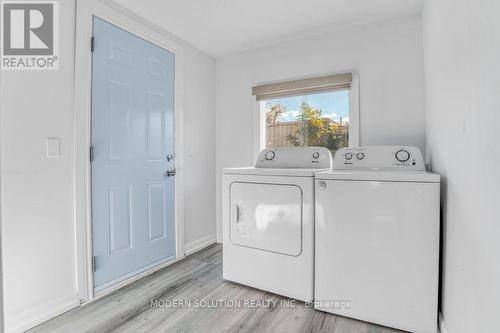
(295, 157)
(379, 157)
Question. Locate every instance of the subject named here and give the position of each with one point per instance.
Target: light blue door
(132, 138)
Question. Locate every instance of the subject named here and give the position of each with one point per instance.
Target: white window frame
(259, 123)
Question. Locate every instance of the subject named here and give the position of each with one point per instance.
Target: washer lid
(380, 175)
(295, 172)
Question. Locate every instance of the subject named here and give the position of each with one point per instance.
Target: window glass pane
(320, 120)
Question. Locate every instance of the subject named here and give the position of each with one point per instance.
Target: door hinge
(92, 44)
(91, 154)
(93, 264)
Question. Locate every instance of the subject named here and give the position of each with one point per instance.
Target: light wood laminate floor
(197, 277)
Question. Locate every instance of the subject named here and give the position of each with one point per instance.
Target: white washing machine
(377, 238)
(268, 221)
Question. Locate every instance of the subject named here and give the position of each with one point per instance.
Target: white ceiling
(221, 27)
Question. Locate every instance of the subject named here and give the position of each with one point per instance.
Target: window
(320, 120)
(310, 112)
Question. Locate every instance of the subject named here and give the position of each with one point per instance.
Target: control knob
(402, 155)
(270, 155)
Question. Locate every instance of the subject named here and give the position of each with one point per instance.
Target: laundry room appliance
(268, 221)
(377, 238)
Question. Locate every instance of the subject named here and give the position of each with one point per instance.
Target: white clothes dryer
(268, 221)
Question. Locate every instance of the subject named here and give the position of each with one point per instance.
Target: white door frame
(129, 21)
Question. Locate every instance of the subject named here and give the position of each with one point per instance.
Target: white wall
(37, 193)
(387, 55)
(462, 66)
(38, 227)
(199, 149)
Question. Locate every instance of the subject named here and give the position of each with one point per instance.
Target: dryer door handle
(235, 213)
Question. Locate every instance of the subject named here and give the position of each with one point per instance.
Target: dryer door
(266, 217)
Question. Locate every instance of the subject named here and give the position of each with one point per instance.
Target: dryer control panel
(295, 157)
(379, 158)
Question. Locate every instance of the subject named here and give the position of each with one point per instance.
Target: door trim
(123, 18)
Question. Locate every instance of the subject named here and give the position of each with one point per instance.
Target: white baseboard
(199, 244)
(442, 325)
(219, 238)
(36, 315)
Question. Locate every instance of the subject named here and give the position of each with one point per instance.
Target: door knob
(171, 172)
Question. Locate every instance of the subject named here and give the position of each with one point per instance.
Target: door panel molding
(157, 231)
(119, 196)
(136, 25)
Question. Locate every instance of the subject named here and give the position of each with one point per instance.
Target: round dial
(402, 155)
(360, 156)
(315, 155)
(348, 156)
(270, 155)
